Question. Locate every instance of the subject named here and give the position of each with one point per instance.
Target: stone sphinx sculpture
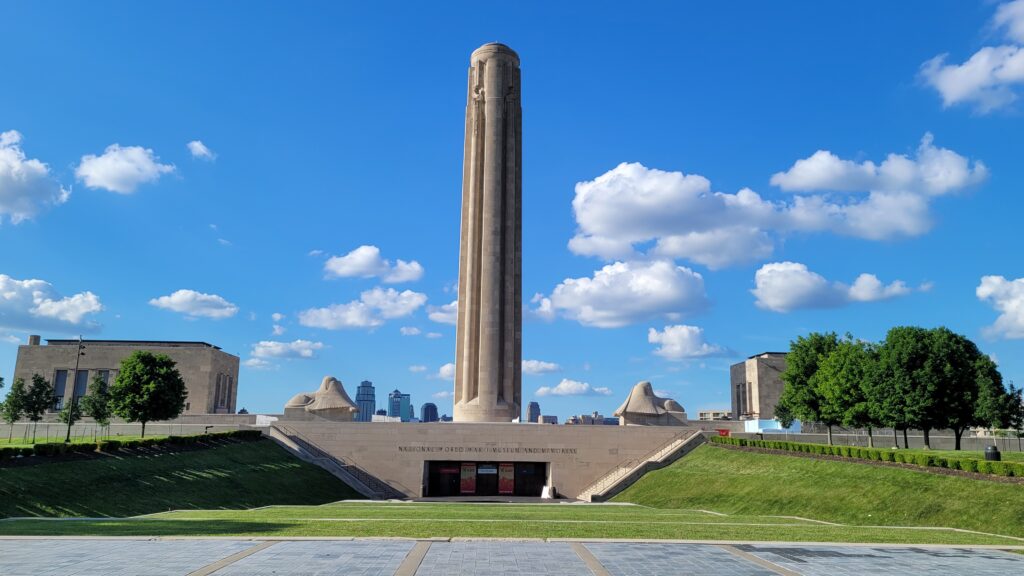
(329, 402)
(643, 408)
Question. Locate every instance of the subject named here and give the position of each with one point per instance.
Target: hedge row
(58, 448)
(924, 460)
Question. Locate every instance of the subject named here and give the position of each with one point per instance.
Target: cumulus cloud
(534, 367)
(277, 316)
(787, 286)
(121, 169)
(681, 342)
(35, 305)
(573, 388)
(199, 150)
(444, 395)
(434, 335)
(992, 77)
(278, 330)
(409, 331)
(625, 292)
(373, 308)
(366, 262)
(632, 205)
(196, 304)
(446, 314)
(258, 364)
(26, 186)
(303, 349)
(417, 368)
(933, 171)
(446, 372)
(1007, 297)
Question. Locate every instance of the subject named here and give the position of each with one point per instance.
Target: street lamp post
(74, 400)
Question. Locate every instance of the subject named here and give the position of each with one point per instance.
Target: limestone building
(210, 374)
(488, 355)
(756, 385)
(329, 402)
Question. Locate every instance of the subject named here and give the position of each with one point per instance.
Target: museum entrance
(455, 478)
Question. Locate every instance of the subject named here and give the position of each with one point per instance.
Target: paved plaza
(372, 557)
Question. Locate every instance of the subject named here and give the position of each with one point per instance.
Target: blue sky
(701, 182)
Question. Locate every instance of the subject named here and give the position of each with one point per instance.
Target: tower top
(493, 48)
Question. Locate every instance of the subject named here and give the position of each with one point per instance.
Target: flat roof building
(210, 374)
(756, 385)
(709, 415)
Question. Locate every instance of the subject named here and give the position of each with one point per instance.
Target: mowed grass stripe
(498, 529)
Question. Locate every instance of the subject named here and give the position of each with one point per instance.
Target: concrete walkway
(399, 557)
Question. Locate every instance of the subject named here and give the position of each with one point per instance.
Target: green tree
(900, 391)
(147, 388)
(13, 407)
(842, 384)
(96, 404)
(955, 369)
(38, 399)
(70, 414)
(799, 399)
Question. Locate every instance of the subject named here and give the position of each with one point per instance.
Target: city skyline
(297, 203)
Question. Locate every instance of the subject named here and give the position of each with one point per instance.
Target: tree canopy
(148, 387)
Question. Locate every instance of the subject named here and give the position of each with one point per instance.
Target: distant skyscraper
(400, 405)
(533, 412)
(366, 400)
(381, 412)
(429, 412)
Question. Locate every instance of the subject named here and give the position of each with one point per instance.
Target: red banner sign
(506, 478)
(467, 481)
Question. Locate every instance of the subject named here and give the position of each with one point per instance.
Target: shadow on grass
(146, 527)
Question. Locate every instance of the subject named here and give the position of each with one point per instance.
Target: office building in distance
(210, 374)
(428, 413)
(756, 385)
(366, 400)
(400, 405)
(533, 412)
(709, 415)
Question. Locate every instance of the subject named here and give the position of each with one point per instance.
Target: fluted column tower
(488, 358)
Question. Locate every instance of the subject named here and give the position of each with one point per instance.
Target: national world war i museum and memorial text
(487, 451)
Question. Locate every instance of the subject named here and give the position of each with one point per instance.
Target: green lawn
(41, 439)
(712, 494)
(748, 483)
(239, 475)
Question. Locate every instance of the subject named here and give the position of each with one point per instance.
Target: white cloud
(26, 186)
(121, 170)
(933, 171)
(632, 205)
(315, 253)
(417, 368)
(626, 292)
(444, 395)
(196, 304)
(434, 335)
(304, 349)
(10, 339)
(572, 388)
(365, 262)
(199, 150)
(409, 331)
(278, 330)
(787, 286)
(277, 316)
(534, 367)
(446, 372)
(992, 77)
(446, 314)
(258, 364)
(35, 305)
(372, 309)
(1007, 297)
(680, 342)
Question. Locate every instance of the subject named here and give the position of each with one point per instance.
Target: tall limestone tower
(488, 358)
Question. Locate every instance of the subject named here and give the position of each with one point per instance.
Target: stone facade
(329, 402)
(210, 374)
(756, 385)
(488, 357)
(397, 453)
(644, 408)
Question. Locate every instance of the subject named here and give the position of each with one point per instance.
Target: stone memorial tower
(488, 356)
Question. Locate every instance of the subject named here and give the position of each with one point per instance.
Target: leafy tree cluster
(148, 387)
(917, 378)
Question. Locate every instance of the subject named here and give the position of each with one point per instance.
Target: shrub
(889, 456)
(51, 449)
(84, 447)
(109, 445)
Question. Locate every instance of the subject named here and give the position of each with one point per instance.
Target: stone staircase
(630, 471)
(361, 481)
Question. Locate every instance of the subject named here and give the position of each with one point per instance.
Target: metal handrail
(629, 466)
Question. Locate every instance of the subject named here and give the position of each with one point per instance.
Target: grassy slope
(40, 439)
(239, 475)
(738, 482)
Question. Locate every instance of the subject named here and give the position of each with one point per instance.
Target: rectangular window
(60, 382)
(216, 393)
(105, 376)
(58, 403)
(81, 383)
